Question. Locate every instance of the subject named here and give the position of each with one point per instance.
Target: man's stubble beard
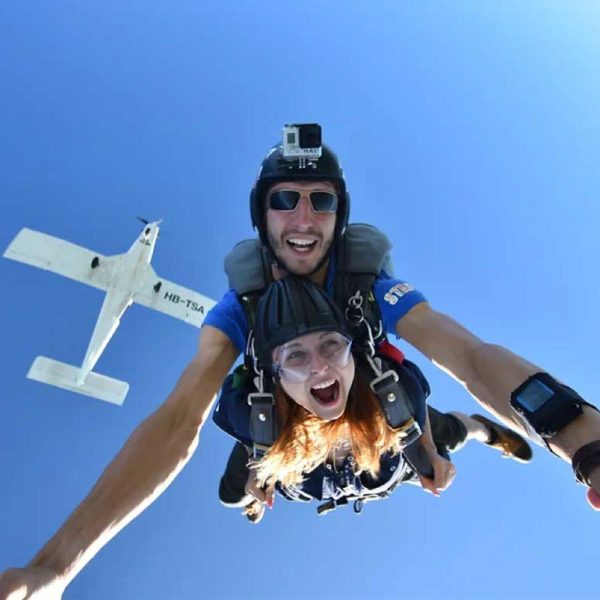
(280, 262)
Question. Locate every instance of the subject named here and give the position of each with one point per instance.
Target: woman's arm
(443, 470)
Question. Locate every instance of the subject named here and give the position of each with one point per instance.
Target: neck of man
(319, 276)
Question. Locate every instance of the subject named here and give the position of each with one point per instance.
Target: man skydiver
(164, 442)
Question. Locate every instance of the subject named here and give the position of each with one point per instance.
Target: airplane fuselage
(126, 279)
(129, 274)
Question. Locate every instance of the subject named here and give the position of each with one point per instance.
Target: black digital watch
(546, 405)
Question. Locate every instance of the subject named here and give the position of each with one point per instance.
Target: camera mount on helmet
(302, 143)
(300, 156)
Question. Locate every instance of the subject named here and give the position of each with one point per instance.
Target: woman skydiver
(334, 441)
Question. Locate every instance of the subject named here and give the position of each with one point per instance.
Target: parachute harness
(263, 423)
(393, 399)
(362, 252)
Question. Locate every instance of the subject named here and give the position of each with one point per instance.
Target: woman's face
(316, 370)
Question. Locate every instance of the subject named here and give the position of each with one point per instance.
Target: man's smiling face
(300, 238)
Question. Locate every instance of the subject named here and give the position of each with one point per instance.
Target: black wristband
(585, 460)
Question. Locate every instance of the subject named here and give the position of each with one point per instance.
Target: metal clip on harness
(262, 410)
(393, 400)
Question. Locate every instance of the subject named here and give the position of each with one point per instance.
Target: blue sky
(469, 133)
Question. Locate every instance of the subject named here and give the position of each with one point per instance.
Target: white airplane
(126, 278)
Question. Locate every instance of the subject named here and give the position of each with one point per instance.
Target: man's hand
(36, 583)
(593, 493)
(491, 373)
(150, 460)
(593, 498)
(443, 475)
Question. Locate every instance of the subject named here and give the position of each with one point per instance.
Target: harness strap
(248, 267)
(419, 460)
(366, 496)
(362, 253)
(262, 422)
(396, 406)
(400, 415)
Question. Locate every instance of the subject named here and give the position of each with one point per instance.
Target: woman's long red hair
(306, 441)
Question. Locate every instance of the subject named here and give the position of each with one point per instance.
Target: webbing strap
(362, 253)
(263, 424)
(395, 403)
(248, 268)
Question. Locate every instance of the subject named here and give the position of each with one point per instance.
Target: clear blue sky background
(469, 132)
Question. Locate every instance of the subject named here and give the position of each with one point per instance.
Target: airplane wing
(172, 299)
(62, 257)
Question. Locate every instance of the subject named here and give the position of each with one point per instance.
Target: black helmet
(275, 168)
(291, 307)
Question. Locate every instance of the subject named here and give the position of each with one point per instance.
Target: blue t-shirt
(393, 296)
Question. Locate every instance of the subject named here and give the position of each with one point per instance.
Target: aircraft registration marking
(177, 299)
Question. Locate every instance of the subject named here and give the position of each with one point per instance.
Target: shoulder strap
(362, 253)
(249, 273)
(364, 249)
(247, 267)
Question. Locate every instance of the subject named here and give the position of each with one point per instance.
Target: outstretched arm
(150, 460)
(490, 373)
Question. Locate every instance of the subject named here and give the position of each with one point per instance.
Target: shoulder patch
(397, 291)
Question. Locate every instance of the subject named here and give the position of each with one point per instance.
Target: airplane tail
(66, 376)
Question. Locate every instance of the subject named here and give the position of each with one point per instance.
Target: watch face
(534, 395)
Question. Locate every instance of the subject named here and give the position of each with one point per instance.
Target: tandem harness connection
(392, 392)
(401, 389)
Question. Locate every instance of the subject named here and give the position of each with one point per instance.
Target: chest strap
(263, 422)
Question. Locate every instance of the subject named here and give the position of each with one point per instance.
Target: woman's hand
(263, 495)
(443, 475)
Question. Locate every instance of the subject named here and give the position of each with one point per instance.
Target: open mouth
(301, 246)
(326, 393)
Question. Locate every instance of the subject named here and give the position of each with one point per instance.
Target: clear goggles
(296, 361)
(287, 200)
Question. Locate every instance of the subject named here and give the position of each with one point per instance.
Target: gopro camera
(302, 142)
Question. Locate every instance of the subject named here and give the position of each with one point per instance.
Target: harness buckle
(396, 406)
(409, 432)
(259, 450)
(354, 312)
(330, 505)
(260, 398)
(385, 380)
(262, 421)
(355, 317)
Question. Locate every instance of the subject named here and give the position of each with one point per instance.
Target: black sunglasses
(321, 202)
